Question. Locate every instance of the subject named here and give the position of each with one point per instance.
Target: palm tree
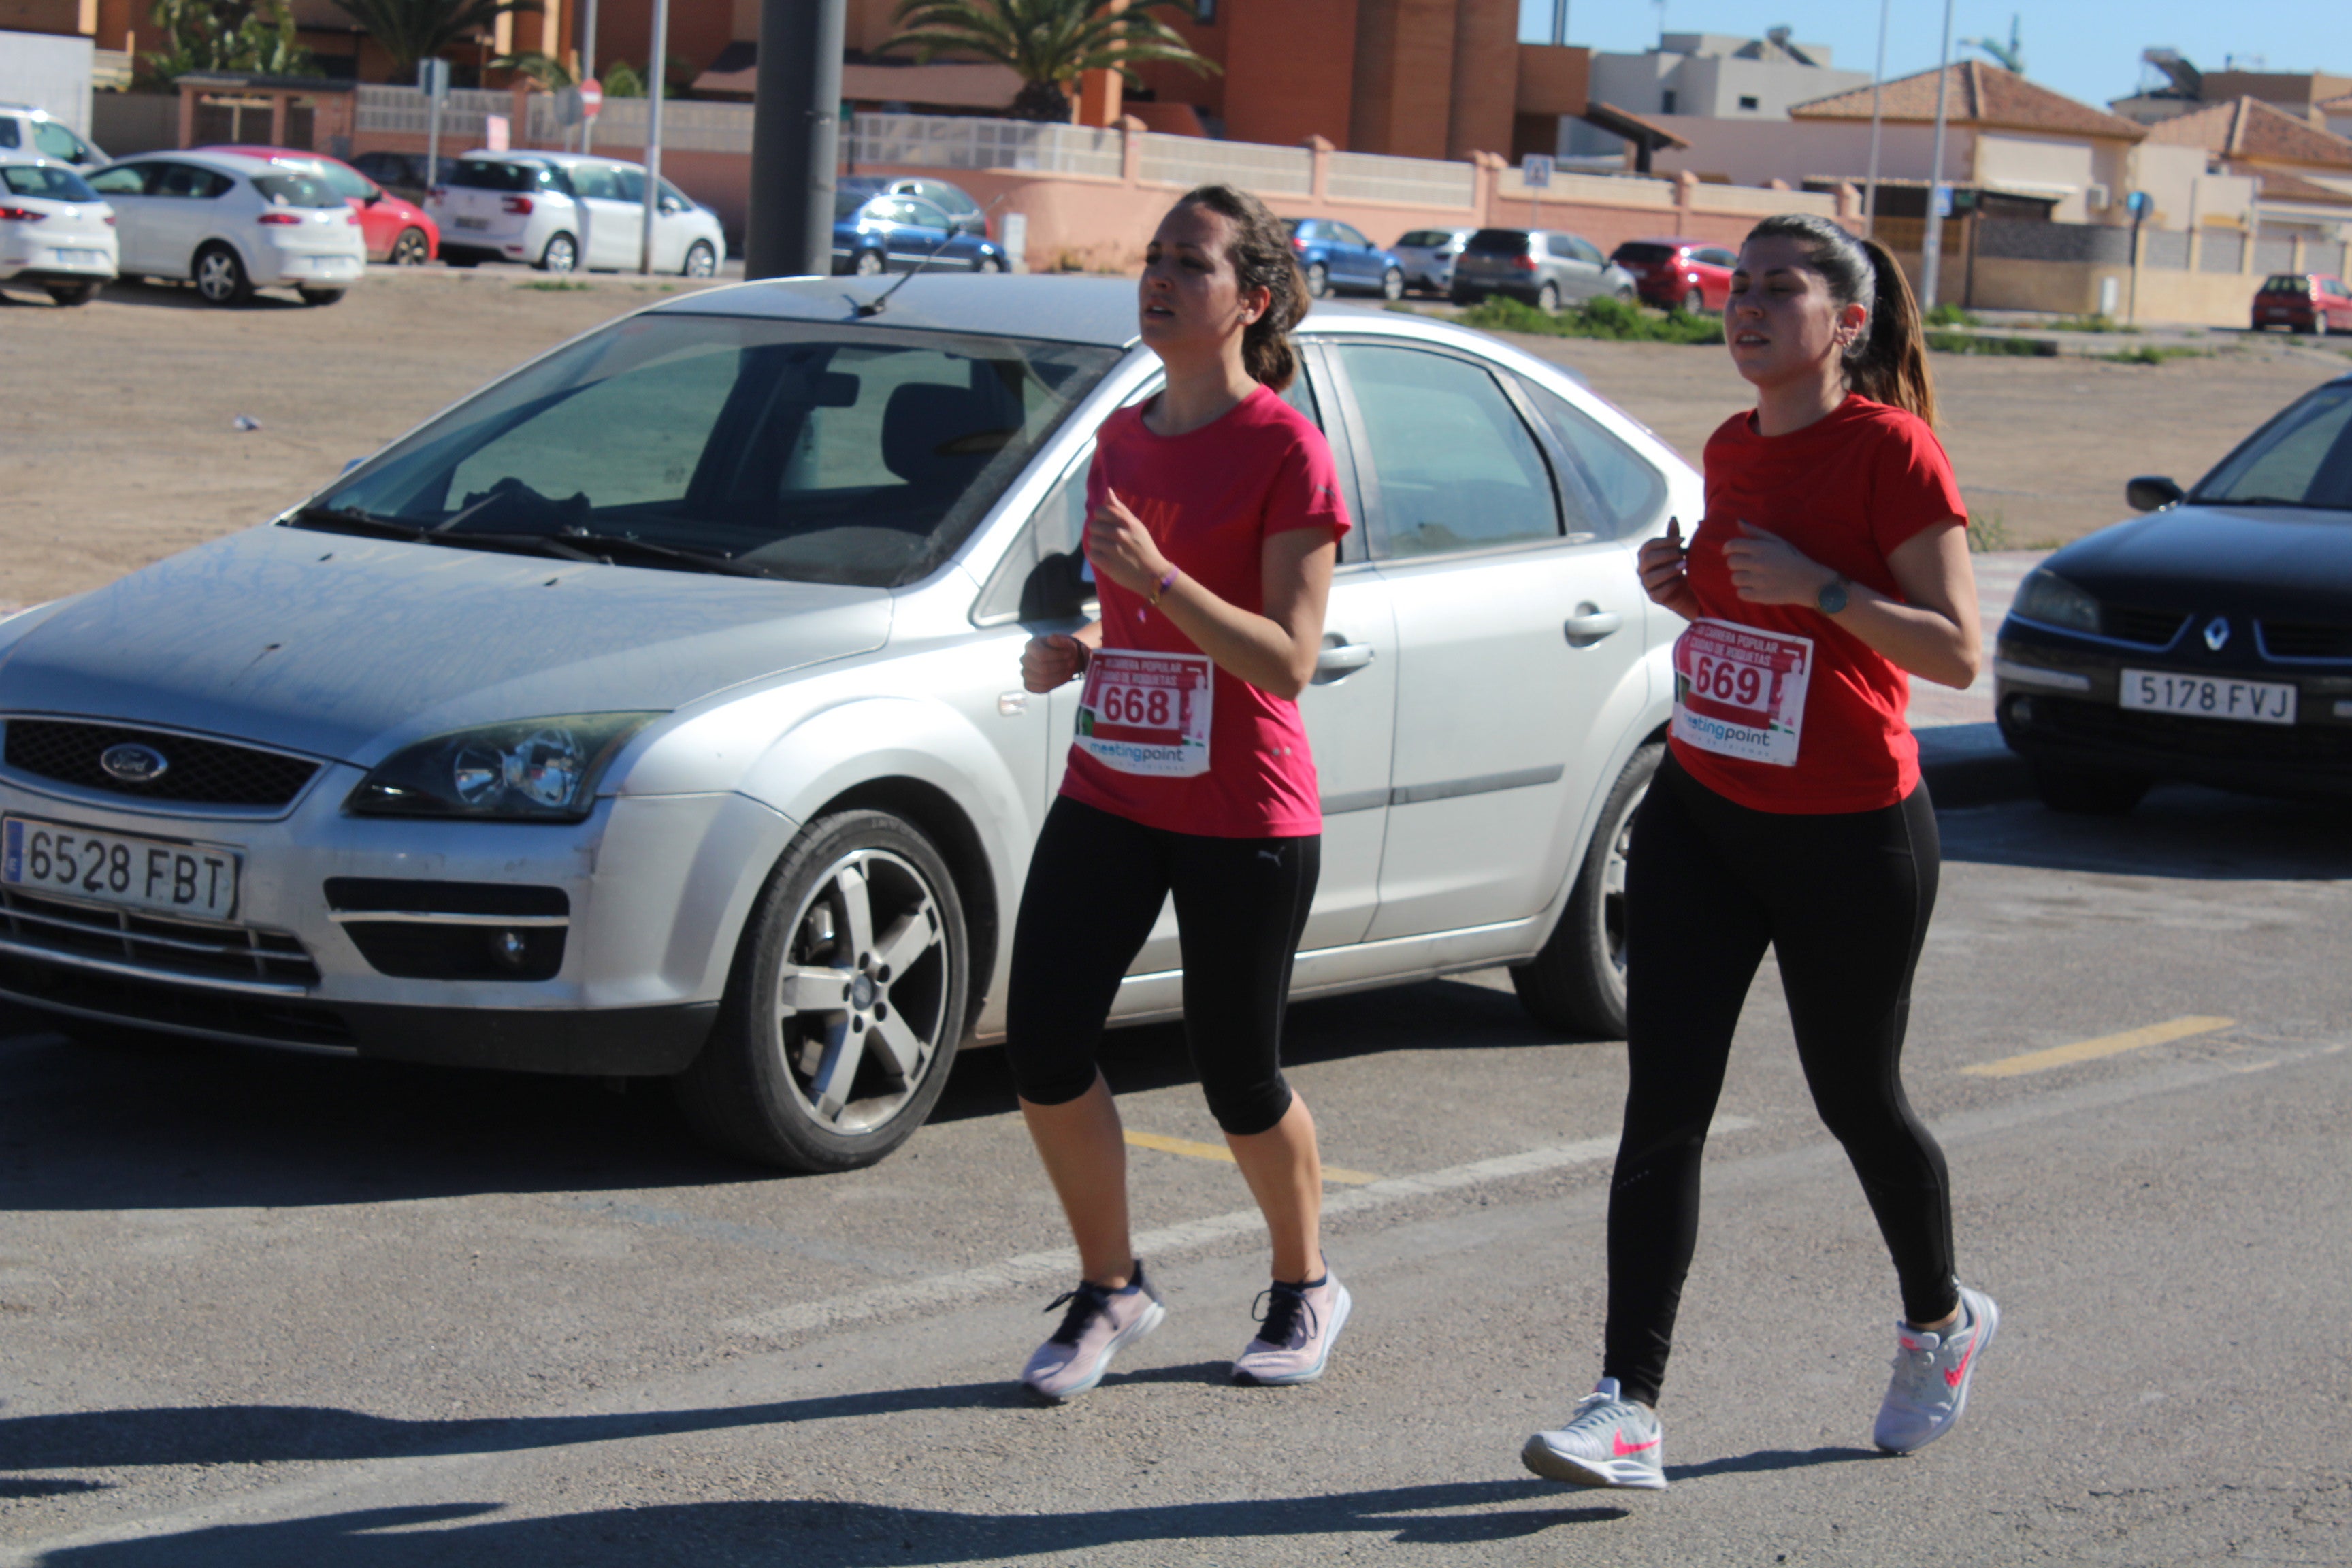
(414, 30)
(1051, 43)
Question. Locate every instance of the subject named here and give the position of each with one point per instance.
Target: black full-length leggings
(1095, 884)
(1842, 900)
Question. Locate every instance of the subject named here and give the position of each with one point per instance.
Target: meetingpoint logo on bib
(1739, 691)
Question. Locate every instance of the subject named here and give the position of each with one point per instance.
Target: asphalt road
(267, 1310)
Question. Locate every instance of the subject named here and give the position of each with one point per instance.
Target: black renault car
(2209, 640)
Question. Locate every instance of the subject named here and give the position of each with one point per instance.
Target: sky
(2087, 49)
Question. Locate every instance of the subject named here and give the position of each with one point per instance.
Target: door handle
(1590, 624)
(1339, 660)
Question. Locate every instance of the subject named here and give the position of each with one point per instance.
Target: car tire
(866, 264)
(73, 293)
(219, 275)
(788, 1078)
(2080, 791)
(320, 296)
(561, 254)
(1625, 293)
(409, 249)
(1318, 280)
(1694, 302)
(701, 261)
(1576, 983)
(988, 264)
(1548, 298)
(1392, 284)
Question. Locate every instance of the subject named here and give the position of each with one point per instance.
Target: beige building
(2302, 172)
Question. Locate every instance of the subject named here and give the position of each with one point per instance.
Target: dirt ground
(118, 447)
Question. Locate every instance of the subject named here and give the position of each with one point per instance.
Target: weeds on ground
(1989, 531)
(1976, 344)
(1602, 318)
(555, 286)
(1951, 316)
(2153, 354)
(2093, 323)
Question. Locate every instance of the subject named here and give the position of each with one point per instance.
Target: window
(39, 180)
(1717, 257)
(1748, 101)
(201, 184)
(1456, 469)
(1609, 490)
(924, 213)
(56, 141)
(287, 189)
(124, 180)
(9, 135)
(1346, 234)
(2302, 459)
(594, 183)
(1666, 102)
(1205, 13)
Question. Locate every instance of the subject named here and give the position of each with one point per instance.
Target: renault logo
(133, 764)
(2217, 633)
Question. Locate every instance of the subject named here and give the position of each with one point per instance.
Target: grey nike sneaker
(1099, 1323)
(1612, 1441)
(1932, 1373)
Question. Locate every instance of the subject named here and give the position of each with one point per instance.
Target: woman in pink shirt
(1213, 522)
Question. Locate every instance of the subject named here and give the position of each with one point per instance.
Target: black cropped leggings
(1096, 885)
(1842, 900)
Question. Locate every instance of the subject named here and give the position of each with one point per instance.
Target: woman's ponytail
(1888, 361)
(1260, 252)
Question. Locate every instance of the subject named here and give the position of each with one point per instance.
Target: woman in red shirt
(1213, 522)
(1831, 566)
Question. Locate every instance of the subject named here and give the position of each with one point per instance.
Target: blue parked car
(897, 234)
(1337, 256)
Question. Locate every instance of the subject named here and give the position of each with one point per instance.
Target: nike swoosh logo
(1954, 1377)
(1617, 1442)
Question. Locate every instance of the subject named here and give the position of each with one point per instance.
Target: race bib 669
(1739, 691)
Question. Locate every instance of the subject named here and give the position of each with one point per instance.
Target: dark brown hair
(1259, 248)
(1887, 362)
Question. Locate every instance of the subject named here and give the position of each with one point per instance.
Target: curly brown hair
(1259, 248)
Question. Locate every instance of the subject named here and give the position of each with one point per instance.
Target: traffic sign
(1534, 170)
(591, 99)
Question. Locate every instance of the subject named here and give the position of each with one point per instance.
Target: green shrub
(2093, 323)
(1977, 343)
(1604, 317)
(1951, 316)
(2153, 354)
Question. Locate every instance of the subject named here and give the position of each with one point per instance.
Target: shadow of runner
(815, 1534)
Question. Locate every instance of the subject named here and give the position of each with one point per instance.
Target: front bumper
(655, 889)
(2059, 703)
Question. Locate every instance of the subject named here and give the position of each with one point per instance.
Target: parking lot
(264, 1308)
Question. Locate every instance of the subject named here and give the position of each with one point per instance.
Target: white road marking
(1035, 1267)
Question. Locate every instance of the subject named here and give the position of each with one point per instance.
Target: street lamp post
(1877, 79)
(795, 138)
(1931, 260)
(587, 64)
(654, 73)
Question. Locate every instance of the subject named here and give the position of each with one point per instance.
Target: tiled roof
(2277, 186)
(1977, 94)
(2249, 128)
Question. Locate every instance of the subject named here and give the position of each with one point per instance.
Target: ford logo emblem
(133, 764)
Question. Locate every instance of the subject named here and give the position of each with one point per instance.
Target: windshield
(291, 190)
(344, 182)
(487, 176)
(39, 180)
(2303, 458)
(2285, 283)
(1644, 252)
(1425, 239)
(1498, 242)
(820, 452)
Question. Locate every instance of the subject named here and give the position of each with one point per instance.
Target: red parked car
(2304, 303)
(1685, 272)
(396, 231)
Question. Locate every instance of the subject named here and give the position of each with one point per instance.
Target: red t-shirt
(1845, 490)
(1211, 497)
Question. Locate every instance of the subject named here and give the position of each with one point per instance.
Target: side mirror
(1055, 590)
(2150, 491)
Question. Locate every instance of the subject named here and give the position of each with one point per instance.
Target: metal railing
(1191, 160)
(944, 142)
(405, 110)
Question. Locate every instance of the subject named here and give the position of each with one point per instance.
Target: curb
(1968, 764)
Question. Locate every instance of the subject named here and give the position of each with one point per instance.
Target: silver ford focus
(655, 711)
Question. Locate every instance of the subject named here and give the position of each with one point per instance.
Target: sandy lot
(118, 444)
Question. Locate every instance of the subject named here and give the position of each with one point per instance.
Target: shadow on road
(2179, 830)
(822, 1534)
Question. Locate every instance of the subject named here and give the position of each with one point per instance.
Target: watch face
(1831, 597)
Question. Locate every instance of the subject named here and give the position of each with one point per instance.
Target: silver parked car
(1537, 267)
(656, 709)
(1427, 255)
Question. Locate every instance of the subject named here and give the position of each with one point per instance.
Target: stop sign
(591, 98)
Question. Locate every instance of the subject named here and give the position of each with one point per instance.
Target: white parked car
(25, 128)
(55, 232)
(559, 212)
(657, 710)
(231, 225)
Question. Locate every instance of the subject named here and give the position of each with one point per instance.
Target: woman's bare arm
(1932, 631)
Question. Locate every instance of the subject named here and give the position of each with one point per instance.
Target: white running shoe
(1612, 1441)
(1100, 1322)
(1932, 1373)
(1295, 1335)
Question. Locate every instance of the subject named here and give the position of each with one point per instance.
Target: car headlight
(534, 770)
(2048, 598)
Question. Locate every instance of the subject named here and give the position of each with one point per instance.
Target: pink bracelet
(1166, 582)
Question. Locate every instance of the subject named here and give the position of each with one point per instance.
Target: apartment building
(1708, 76)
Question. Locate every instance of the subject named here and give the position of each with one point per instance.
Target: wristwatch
(1832, 598)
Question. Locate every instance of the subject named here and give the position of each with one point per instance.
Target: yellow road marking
(1218, 1152)
(2104, 1045)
